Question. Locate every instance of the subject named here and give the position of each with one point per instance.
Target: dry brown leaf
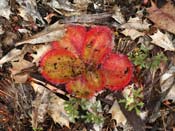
(164, 17)
(17, 67)
(136, 23)
(20, 78)
(60, 4)
(82, 2)
(166, 81)
(117, 114)
(9, 38)
(162, 40)
(40, 105)
(118, 15)
(39, 50)
(51, 33)
(96, 127)
(1, 30)
(18, 62)
(28, 11)
(11, 55)
(48, 102)
(16, 55)
(56, 110)
(1, 51)
(86, 18)
(49, 17)
(5, 9)
(133, 33)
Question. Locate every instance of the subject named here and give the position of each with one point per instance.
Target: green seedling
(140, 57)
(133, 100)
(156, 60)
(92, 110)
(38, 129)
(71, 108)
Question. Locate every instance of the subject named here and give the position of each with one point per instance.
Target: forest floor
(142, 30)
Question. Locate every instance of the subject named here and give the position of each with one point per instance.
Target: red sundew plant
(84, 61)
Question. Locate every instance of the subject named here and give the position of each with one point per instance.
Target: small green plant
(92, 110)
(91, 117)
(38, 129)
(140, 57)
(156, 60)
(71, 108)
(133, 100)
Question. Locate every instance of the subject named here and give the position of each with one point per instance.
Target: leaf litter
(143, 31)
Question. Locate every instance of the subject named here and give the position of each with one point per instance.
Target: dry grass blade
(15, 103)
(4, 114)
(49, 86)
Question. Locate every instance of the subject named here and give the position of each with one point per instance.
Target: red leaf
(73, 39)
(76, 34)
(56, 45)
(98, 42)
(80, 88)
(98, 67)
(60, 66)
(95, 80)
(117, 70)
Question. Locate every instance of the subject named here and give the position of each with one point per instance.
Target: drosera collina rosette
(83, 60)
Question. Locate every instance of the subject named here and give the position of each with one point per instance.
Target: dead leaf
(48, 102)
(117, 114)
(85, 18)
(166, 81)
(16, 57)
(97, 127)
(39, 50)
(133, 33)
(162, 40)
(136, 23)
(56, 110)
(82, 2)
(60, 4)
(17, 67)
(1, 30)
(40, 105)
(18, 64)
(20, 78)
(118, 15)
(9, 38)
(50, 33)
(24, 31)
(28, 11)
(164, 17)
(11, 55)
(49, 17)
(5, 9)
